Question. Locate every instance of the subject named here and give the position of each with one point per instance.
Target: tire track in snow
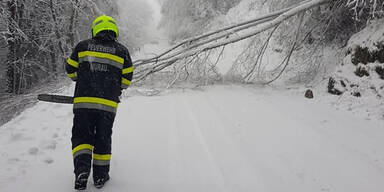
(360, 135)
(194, 168)
(257, 134)
(238, 173)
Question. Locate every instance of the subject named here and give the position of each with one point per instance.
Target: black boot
(81, 181)
(100, 181)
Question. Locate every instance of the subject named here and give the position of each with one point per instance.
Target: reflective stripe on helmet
(98, 22)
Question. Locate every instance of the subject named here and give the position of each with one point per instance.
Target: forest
(37, 37)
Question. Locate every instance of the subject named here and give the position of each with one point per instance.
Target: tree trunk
(73, 21)
(60, 55)
(13, 58)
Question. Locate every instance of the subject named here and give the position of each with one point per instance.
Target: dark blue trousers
(92, 141)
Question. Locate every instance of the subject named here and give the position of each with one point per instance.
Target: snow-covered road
(223, 138)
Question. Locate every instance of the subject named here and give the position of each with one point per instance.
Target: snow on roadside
(357, 77)
(370, 36)
(32, 144)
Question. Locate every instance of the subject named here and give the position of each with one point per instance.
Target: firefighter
(102, 68)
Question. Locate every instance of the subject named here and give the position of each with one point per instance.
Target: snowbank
(359, 80)
(370, 37)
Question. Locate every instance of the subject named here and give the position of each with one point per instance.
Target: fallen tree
(219, 38)
(228, 31)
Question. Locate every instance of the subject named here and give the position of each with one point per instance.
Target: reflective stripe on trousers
(82, 149)
(101, 160)
(94, 106)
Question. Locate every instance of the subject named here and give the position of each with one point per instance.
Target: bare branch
(207, 45)
(291, 51)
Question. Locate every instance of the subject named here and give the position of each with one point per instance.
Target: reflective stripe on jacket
(101, 70)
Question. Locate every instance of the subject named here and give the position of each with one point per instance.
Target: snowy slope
(223, 138)
(371, 87)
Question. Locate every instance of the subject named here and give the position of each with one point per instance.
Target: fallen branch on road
(220, 38)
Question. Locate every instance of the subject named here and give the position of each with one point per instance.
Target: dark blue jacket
(101, 67)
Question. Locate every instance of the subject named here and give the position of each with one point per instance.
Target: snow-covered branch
(221, 38)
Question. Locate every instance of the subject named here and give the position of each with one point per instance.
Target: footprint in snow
(33, 151)
(16, 137)
(13, 160)
(48, 160)
(55, 135)
(51, 145)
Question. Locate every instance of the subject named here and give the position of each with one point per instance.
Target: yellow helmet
(104, 23)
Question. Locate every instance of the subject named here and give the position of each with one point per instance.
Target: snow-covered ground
(220, 138)
(227, 138)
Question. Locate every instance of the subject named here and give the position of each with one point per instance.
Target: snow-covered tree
(134, 17)
(185, 18)
(40, 35)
